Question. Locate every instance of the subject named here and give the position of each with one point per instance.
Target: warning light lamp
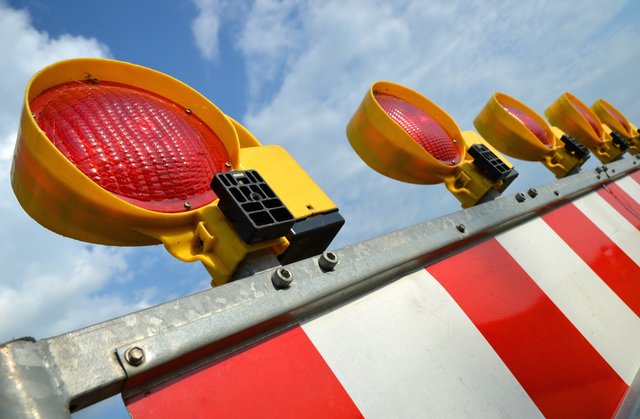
(574, 117)
(518, 131)
(114, 153)
(405, 136)
(617, 124)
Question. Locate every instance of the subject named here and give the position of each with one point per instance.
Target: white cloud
(48, 284)
(456, 53)
(206, 26)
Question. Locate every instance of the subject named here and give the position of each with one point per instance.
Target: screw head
(134, 356)
(187, 205)
(520, 197)
(556, 193)
(532, 192)
(328, 261)
(282, 278)
(228, 165)
(188, 111)
(461, 228)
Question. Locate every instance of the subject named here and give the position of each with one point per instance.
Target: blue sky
(293, 72)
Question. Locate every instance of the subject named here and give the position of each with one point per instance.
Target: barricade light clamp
(405, 136)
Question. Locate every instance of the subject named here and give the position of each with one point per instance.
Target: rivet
(328, 261)
(188, 111)
(228, 165)
(532, 192)
(520, 197)
(282, 278)
(556, 193)
(134, 356)
(461, 228)
(187, 205)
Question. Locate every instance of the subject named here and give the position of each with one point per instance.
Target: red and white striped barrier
(542, 320)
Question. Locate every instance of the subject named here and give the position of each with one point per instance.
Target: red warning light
(586, 114)
(531, 124)
(618, 117)
(144, 148)
(424, 129)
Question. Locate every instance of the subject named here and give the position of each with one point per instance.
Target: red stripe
(622, 202)
(598, 251)
(636, 176)
(283, 377)
(562, 373)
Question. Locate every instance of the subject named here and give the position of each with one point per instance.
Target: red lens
(586, 114)
(620, 118)
(421, 127)
(140, 146)
(530, 123)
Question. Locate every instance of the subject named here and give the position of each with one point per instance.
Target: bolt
(328, 261)
(599, 169)
(188, 111)
(599, 176)
(556, 193)
(605, 168)
(613, 170)
(520, 197)
(281, 278)
(638, 155)
(134, 356)
(461, 228)
(532, 192)
(228, 165)
(187, 205)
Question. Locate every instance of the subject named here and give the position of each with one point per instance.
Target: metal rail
(54, 376)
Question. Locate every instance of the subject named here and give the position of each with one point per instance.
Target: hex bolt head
(461, 228)
(599, 169)
(134, 356)
(520, 197)
(532, 192)
(328, 261)
(282, 278)
(605, 168)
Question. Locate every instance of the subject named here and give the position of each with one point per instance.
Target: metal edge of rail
(54, 376)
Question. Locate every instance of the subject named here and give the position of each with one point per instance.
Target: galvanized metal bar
(135, 351)
(630, 406)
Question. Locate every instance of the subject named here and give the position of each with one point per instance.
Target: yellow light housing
(573, 117)
(403, 135)
(617, 123)
(518, 131)
(114, 153)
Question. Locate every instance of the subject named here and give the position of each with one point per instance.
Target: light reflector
(424, 129)
(533, 126)
(144, 148)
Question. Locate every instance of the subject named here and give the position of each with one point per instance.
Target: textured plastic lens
(421, 127)
(531, 124)
(620, 118)
(142, 147)
(586, 114)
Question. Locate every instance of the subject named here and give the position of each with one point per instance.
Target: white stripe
(631, 187)
(593, 308)
(408, 350)
(614, 225)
